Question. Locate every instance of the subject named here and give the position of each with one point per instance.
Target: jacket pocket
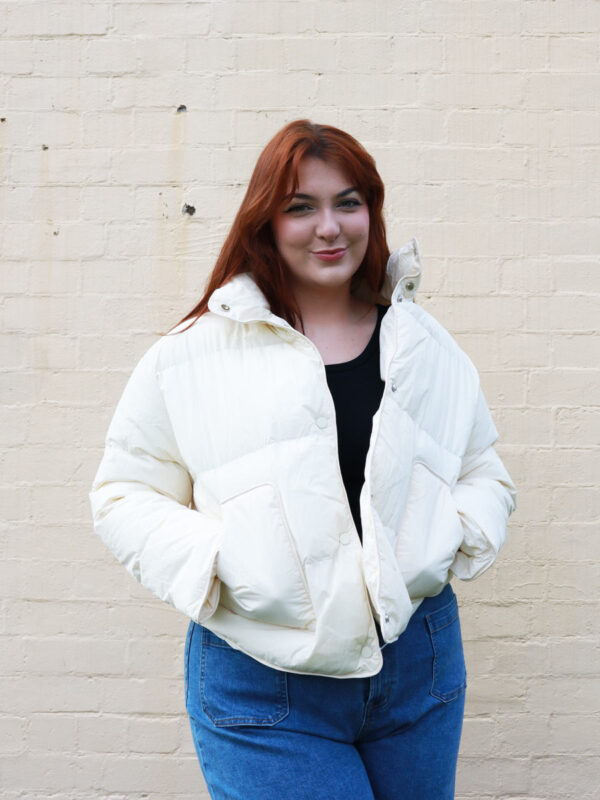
(260, 571)
(237, 690)
(430, 532)
(449, 673)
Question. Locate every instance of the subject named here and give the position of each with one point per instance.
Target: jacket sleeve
(140, 502)
(485, 497)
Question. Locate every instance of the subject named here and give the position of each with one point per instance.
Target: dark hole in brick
(187, 209)
(181, 108)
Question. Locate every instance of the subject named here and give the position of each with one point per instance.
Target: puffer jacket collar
(242, 300)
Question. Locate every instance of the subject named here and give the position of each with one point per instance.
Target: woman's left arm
(485, 497)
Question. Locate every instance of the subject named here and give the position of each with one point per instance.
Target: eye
(297, 208)
(350, 202)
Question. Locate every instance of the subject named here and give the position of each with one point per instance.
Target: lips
(330, 255)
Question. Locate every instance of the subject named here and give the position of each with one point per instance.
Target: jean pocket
(236, 689)
(449, 671)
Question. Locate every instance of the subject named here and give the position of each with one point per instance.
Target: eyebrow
(343, 193)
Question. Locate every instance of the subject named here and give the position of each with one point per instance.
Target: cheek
(288, 234)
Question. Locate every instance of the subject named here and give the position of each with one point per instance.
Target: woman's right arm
(140, 502)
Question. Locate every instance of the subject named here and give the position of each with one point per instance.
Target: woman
(300, 467)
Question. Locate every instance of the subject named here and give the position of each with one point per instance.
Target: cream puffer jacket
(220, 488)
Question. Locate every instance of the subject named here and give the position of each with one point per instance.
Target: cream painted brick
(504, 388)
(20, 387)
(106, 203)
(161, 55)
(16, 58)
(560, 90)
(571, 655)
(109, 57)
(522, 735)
(490, 693)
(15, 502)
(562, 238)
(149, 774)
(290, 90)
(527, 275)
(526, 659)
(209, 55)
(466, 277)
(416, 54)
(254, 55)
(54, 732)
(85, 657)
(468, 126)
(525, 426)
(58, 56)
(477, 737)
(520, 583)
(373, 54)
(573, 129)
(154, 19)
(57, 19)
(166, 91)
(15, 277)
(579, 276)
(480, 347)
(266, 17)
(577, 426)
(102, 733)
(143, 696)
(415, 202)
(63, 166)
(569, 387)
(409, 125)
(101, 128)
(359, 90)
(573, 53)
(574, 734)
(49, 93)
(563, 776)
(59, 203)
(472, 90)
(470, 164)
(483, 313)
(198, 129)
(564, 466)
(484, 17)
(132, 166)
(505, 54)
(566, 312)
(573, 581)
(471, 201)
(563, 618)
(14, 424)
(153, 735)
(490, 621)
(565, 695)
(537, 17)
(12, 734)
(257, 126)
(165, 656)
(522, 127)
(524, 350)
(45, 694)
(60, 241)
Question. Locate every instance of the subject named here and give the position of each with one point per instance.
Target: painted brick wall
(484, 118)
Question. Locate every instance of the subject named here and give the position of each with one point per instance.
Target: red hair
(250, 245)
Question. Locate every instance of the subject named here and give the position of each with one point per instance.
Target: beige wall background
(484, 118)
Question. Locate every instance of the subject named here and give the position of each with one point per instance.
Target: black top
(356, 387)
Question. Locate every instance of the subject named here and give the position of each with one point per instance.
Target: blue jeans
(265, 734)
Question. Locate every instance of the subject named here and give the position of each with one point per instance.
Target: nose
(328, 226)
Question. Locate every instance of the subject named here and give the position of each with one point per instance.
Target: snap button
(345, 538)
(322, 422)
(224, 306)
(399, 298)
(386, 617)
(410, 286)
(394, 387)
(367, 651)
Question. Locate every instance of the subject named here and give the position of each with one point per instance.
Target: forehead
(316, 176)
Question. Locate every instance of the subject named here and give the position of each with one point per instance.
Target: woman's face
(323, 230)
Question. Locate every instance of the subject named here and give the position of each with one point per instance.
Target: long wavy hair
(250, 245)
